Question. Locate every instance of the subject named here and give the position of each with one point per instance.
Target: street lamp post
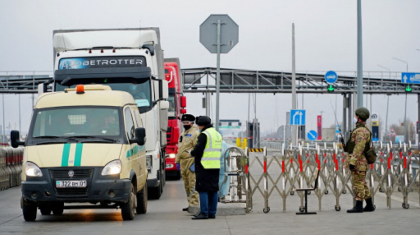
(387, 105)
(405, 111)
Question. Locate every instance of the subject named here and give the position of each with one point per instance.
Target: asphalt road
(164, 216)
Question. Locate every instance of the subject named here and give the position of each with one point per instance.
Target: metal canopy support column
(345, 105)
(418, 117)
(350, 123)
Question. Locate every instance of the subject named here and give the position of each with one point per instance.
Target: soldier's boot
(369, 206)
(358, 208)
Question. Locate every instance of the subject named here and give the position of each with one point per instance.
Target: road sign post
(226, 38)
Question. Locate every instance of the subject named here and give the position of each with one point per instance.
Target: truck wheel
(45, 210)
(155, 192)
(58, 208)
(178, 175)
(127, 209)
(142, 201)
(29, 211)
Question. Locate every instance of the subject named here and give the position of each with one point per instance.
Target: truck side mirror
(14, 139)
(140, 136)
(164, 104)
(183, 101)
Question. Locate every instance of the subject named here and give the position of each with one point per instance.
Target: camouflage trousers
(360, 187)
(189, 181)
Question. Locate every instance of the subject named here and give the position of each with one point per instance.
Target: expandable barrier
(10, 167)
(239, 188)
(395, 171)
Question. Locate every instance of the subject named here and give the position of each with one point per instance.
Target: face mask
(187, 127)
(355, 120)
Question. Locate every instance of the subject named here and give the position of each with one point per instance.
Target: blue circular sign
(312, 135)
(331, 77)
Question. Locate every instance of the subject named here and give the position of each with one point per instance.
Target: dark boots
(358, 208)
(369, 206)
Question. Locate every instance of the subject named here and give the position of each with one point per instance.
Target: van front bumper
(98, 189)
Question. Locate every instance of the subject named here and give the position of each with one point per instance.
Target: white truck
(125, 59)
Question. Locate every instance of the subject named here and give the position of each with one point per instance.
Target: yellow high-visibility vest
(212, 152)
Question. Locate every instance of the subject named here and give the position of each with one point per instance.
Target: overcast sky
(326, 37)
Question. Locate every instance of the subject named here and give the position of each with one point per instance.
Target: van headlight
(112, 168)
(32, 170)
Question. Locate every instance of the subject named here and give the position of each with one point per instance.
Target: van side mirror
(14, 139)
(140, 136)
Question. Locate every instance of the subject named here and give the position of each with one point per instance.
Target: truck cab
(128, 60)
(84, 145)
(177, 105)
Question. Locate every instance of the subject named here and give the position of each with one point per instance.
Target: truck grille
(71, 191)
(64, 174)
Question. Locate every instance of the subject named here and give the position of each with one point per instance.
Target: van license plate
(71, 184)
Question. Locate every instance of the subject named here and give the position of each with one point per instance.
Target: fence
(10, 167)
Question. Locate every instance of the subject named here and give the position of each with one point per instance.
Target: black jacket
(207, 180)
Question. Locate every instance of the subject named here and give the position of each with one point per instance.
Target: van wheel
(29, 210)
(58, 208)
(45, 210)
(127, 209)
(142, 201)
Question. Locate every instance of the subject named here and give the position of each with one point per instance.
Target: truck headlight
(172, 155)
(32, 170)
(149, 162)
(112, 168)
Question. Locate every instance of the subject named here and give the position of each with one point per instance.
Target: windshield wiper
(48, 137)
(51, 142)
(92, 137)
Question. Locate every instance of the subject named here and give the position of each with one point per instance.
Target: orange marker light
(80, 89)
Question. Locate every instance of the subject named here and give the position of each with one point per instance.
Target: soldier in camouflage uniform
(355, 146)
(184, 160)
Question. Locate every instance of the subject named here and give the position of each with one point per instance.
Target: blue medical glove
(178, 166)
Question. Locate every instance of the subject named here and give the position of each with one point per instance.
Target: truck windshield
(76, 121)
(141, 92)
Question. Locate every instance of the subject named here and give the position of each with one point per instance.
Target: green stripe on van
(78, 155)
(65, 155)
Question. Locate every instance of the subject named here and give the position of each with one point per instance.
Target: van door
(142, 149)
(133, 149)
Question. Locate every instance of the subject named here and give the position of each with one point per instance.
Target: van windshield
(76, 121)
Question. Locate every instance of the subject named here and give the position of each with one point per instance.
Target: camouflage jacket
(187, 141)
(360, 136)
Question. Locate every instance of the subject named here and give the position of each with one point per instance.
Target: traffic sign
(229, 33)
(412, 78)
(312, 135)
(297, 117)
(331, 77)
(337, 129)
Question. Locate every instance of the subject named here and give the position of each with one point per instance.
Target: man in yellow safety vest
(207, 166)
